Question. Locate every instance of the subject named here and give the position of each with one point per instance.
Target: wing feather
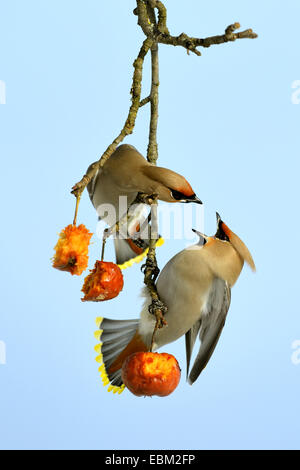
(190, 339)
(211, 325)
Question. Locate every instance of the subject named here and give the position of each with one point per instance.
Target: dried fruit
(147, 373)
(71, 250)
(104, 283)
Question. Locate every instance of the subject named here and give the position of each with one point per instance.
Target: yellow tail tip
(97, 348)
(99, 358)
(102, 371)
(98, 334)
(99, 320)
(140, 257)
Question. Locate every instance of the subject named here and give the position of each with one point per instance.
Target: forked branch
(152, 18)
(156, 32)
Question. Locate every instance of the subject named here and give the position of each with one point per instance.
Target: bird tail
(117, 340)
(132, 250)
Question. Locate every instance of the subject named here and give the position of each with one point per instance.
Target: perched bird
(195, 285)
(116, 185)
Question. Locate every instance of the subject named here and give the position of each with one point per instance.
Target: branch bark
(130, 121)
(156, 31)
(151, 270)
(145, 101)
(152, 153)
(191, 44)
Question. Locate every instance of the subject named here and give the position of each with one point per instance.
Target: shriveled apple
(104, 283)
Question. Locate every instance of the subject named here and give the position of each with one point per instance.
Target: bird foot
(158, 309)
(151, 267)
(147, 198)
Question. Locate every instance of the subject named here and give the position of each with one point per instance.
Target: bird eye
(221, 235)
(177, 195)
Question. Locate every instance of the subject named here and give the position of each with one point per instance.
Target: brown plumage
(195, 285)
(125, 174)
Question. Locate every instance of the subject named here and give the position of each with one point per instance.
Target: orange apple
(104, 283)
(147, 374)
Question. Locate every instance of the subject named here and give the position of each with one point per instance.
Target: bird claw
(158, 309)
(157, 305)
(147, 198)
(151, 266)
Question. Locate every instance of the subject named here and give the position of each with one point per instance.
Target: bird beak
(219, 219)
(202, 237)
(193, 198)
(197, 200)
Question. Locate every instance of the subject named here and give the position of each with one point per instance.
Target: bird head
(170, 186)
(224, 233)
(224, 253)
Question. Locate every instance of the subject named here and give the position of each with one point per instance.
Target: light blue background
(227, 122)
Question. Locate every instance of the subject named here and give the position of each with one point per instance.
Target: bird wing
(210, 325)
(92, 184)
(190, 338)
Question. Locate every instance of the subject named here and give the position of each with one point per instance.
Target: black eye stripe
(221, 235)
(177, 195)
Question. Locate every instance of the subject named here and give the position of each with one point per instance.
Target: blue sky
(227, 122)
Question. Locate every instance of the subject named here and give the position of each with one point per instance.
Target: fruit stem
(76, 209)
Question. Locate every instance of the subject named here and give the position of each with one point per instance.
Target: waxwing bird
(195, 285)
(116, 185)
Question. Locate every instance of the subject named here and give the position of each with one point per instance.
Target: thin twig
(76, 209)
(151, 270)
(156, 32)
(162, 18)
(152, 153)
(145, 101)
(130, 121)
(191, 43)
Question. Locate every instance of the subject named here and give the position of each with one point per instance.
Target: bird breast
(183, 286)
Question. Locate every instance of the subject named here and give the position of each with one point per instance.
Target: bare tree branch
(130, 121)
(161, 34)
(145, 101)
(156, 31)
(191, 43)
(152, 153)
